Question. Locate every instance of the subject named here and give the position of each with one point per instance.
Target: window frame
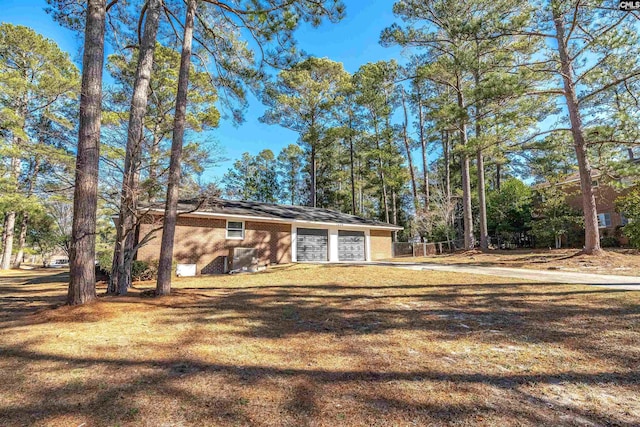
(604, 223)
(234, 229)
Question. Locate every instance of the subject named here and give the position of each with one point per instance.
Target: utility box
(185, 270)
(242, 258)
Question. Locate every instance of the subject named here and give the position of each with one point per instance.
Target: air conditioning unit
(242, 259)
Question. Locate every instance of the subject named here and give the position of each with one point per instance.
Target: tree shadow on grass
(47, 277)
(570, 316)
(20, 295)
(167, 380)
(199, 391)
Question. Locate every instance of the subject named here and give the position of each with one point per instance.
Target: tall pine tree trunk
(292, 184)
(591, 231)
(7, 246)
(425, 155)
(482, 201)
(407, 147)
(4, 229)
(10, 219)
(353, 174)
(466, 180)
(120, 279)
(16, 169)
(385, 199)
(163, 285)
(469, 242)
(22, 240)
(446, 153)
(394, 208)
(482, 195)
(360, 195)
(314, 195)
(82, 285)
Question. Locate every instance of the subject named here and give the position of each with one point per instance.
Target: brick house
(280, 234)
(609, 219)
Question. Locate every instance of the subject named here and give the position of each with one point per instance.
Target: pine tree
(120, 278)
(375, 89)
(477, 60)
(348, 118)
(202, 114)
(240, 182)
(290, 163)
(269, 23)
(38, 82)
(448, 69)
(592, 54)
(253, 178)
(82, 286)
(303, 100)
(268, 190)
(163, 285)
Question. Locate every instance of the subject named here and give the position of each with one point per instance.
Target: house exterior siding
(380, 244)
(203, 241)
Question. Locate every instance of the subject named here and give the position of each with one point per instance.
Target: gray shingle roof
(281, 212)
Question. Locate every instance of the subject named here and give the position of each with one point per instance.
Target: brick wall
(605, 196)
(202, 241)
(380, 244)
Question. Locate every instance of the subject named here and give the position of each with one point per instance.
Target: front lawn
(623, 262)
(321, 346)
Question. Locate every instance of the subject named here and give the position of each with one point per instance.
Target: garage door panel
(311, 244)
(351, 245)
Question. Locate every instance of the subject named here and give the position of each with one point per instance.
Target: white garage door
(351, 245)
(311, 244)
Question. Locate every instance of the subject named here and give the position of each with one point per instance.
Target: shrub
(104, 260)
(629, 204)
(555, 221)
(609, 242)
(442, 233)
(509, 209)
(141, 270)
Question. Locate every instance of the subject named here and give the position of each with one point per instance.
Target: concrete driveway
(631, 283)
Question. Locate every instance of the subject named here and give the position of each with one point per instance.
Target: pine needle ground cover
(622, 262)
(320, 346)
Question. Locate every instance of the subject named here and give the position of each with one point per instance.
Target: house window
(623, 219)
(594, 183)
(604, 220)
(235, 230)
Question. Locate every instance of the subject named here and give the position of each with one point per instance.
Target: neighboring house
(280, 234)
(609, 220)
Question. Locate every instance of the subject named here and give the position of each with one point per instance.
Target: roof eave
(281, 220)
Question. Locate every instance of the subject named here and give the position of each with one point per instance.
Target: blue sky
(353, 41)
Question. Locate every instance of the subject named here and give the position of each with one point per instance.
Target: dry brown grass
(623, 262)
(321, 346)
